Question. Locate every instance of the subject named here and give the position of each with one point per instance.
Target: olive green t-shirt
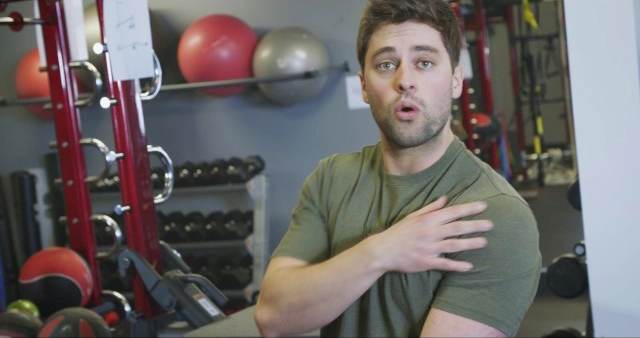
(349, 197)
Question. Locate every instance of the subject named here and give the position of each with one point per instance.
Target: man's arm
(445, 324)
(297, 297)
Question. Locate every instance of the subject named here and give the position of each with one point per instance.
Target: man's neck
(412, 160)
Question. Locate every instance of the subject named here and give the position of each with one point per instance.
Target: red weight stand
(513, 57)
(138, 203)
(465, 101)
(135, 176)
(68, 134)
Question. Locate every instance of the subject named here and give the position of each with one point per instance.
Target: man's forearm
(297, 298)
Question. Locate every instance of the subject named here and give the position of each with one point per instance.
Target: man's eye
(425, 64)
(386, 66)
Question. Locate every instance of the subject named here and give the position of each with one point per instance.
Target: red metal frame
(515, 82)
(479, 24)
(68, 135)
(133, 165)
(485, 74)
(135, 177)
(465, 101)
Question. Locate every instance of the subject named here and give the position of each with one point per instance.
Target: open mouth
(406, 110)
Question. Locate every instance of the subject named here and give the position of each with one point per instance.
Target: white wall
(602, 38)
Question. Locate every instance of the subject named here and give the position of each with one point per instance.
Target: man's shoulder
(349, 160)
(485, 182)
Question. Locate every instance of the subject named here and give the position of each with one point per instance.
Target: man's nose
(405, 78)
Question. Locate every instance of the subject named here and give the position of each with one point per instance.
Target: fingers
(455, 245)
(433, 206)
(463, 228)
(460, 244)
(447, 264)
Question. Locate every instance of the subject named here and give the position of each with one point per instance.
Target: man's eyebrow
(383, 50)
(426, 48)
(417, 48)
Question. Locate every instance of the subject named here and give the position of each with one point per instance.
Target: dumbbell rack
(256, 243)
(132, 155)
(249, 195)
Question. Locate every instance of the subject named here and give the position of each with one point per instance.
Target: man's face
(409, 84)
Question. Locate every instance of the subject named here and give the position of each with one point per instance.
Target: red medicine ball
(215, 48)
(55, 278)
(32, 83)
(75, 322)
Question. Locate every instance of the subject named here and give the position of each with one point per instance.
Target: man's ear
(457, 81)
(365, 97)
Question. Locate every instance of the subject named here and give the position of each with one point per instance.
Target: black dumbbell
(567, 276)
(103, 234)
(105, 184)
(218, 172)
(183, 176)
(97, 186)
(193, 226)
(208, 268)
(237, 170)
(235, 225)
(201, 174)
(112, 183)
(172, 230)
(254, 164)
(213, 228)
(157, 177)
(573, 195)
(240, 258)
(233, 276)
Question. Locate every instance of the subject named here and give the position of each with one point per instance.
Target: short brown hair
(435, 13)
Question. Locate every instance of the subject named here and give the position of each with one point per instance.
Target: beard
(410, 134)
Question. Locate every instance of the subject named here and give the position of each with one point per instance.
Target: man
(413, 235)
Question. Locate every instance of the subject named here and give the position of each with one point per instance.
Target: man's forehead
(407, 32)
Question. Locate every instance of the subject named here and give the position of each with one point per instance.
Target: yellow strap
(537, 145)
(529, 17)
(539, 125)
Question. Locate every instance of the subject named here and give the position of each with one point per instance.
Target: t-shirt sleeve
(307, 237)
(500, 288)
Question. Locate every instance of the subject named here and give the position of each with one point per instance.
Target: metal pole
(135, 177)
(68, 134)
(515, 83)
(465, 101)
(482, 45)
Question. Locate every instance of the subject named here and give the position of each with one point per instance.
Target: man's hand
(418, 241)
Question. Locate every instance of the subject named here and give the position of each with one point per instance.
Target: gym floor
(560, 228)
